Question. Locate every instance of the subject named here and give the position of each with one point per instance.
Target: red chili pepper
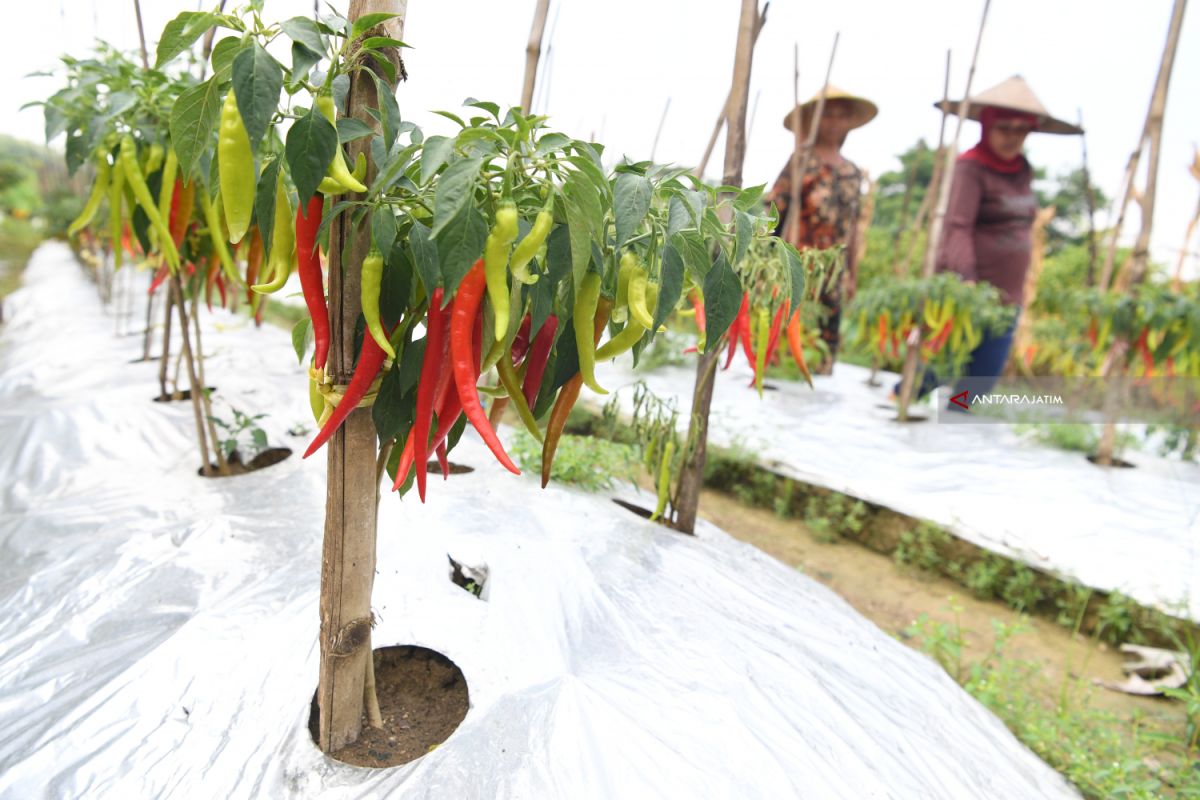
(221, 289)
(258, 315)
(735, 330)
(882, 345)
(567, 396)
(370, 361)
(467, 305)
(443, 460)
(520, 344)
(209, 279)
(308, 261)
(939, 339)
(690, 350)
(1144, 349)
(1092, 333)
(743, 322)
(701, 320)
(432, 366)
(159, 277)
(447, 417)
(539, 357)
(776, 328)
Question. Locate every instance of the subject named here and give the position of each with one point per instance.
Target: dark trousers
(984, 365)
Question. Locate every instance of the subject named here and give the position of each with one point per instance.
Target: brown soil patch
(186, 394)
(267, 458)
(422, 699)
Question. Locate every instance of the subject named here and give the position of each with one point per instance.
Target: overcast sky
(613, 66)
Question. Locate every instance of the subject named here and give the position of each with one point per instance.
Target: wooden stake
(691, 478)
(935, 180)
(712, 139)
(533, 51)
(348, 550)
(1090, 197)
(661, 121)
(964, 107)
(196, 388)
(137, 10)
(795, 218)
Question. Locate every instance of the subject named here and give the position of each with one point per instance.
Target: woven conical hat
(862, 110)
(1013, 94)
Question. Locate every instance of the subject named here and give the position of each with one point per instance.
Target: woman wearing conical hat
(830, 197)
(988, 228)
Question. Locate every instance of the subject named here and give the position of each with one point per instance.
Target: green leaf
(397, 284)
(260, 438)
(551, 142)
(376, 42)
(584, 216)
(450, 116)
(389, 111)
(384, 64)
(558, 267)
(264, 203)
(368, 21)
(349, 129)
(223, 56)
(743, 231)
(300, 337)
(489, 107)
(303, 60)
(193, 119)
(383, 228)
(257, 80)
(797, 276)
(631, 203)
(304, 32)
(460, 245)
(181, 33)
(425, 257)
(393, 411)
(695, 254)
(670, 286)
(749, 199)
(722, 299)
(454, 192)
(436, 151)
(410, 365)
(311, 143)
(56, 122)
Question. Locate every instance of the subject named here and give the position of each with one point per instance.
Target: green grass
(591, 464)
(1104, 754)
(18, 240)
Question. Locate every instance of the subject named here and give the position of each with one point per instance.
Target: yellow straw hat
(862, 110)
(1013, 94)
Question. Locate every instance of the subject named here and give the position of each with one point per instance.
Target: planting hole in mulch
(770, 387)
(911, 418)
(472, 577)
(186, 394)
(267, 458)
(644, 513)
(422, 699)
(1116, 462)
(434, 468)
(144, 360)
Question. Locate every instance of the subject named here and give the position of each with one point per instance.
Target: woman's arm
(958, 238)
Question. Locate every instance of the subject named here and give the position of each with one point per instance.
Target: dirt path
(893, 597)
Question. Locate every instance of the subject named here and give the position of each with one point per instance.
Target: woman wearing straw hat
(988, 233)
(830, 196)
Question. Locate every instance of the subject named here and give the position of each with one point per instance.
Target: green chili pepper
(283, 243)
(236, 165)
(116, 193)
(372, 280)
(762, 326)
(133, 175)
(629, 265)
(167, 188)
(99, 189)
(495, 263)
(512, 384)
(337, 168)
(329, 186)
(528, 247)
(637, 299)
(585, 314)
(628, 336)
(664, 480)
(213, 220)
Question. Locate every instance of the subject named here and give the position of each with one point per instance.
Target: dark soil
(1116, 462)
(186, 394)
(644, 513)
(422, 699)
(267, 458)
(434, 468)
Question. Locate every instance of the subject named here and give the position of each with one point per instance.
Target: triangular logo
(960, 400)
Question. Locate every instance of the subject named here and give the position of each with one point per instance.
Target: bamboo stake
(661, 121)
(753, 115)
(1023, 337)
(964, 107)
(1090, 197)
(712, 139)
(796, 219)
(205, 400)
(691, 478)
(168, 303)
(797, 176)
(201, 440)
(351, 511)
(1135, 269)
(533, 51)
(1177, 280)
(137, 10)
(935, 181)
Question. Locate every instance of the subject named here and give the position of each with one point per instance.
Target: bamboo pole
(912, 353)
(935, 181)
(165, 359)
(716, 132)
(797, 176)
(1113, 367)
(1139, 262)
(1177, 280)
(1090, 197)
(205, 400)
(947, 176)
(795, 233)
(351, 511)
(533, 51)
(661, 121)
(196, 388)
(691, 478)
(137, 10)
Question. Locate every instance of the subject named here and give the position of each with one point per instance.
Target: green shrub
(591, 464)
